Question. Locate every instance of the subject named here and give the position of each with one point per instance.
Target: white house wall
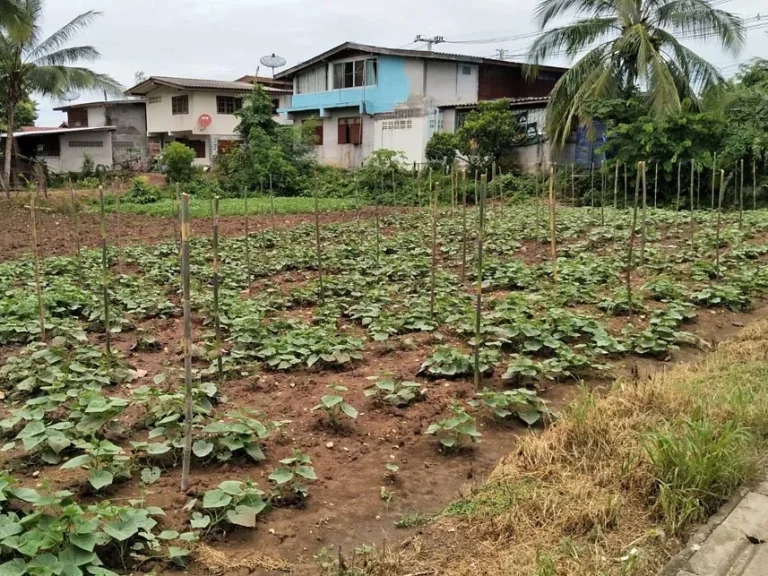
(71, 158)
(161, 120)
(406, 135)
(97, 116)
(447, 84)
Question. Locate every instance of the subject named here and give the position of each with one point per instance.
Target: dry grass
(583, 497)
(217, 562)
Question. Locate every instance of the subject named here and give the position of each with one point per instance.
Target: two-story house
(199, 113)
(366, 98)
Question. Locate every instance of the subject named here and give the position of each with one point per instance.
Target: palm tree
(30, 64)
(631, 45)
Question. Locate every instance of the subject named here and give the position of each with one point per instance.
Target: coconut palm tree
(631, 45)
(31, 64)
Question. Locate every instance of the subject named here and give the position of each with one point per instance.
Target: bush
(204, 188)
(442, 149)
(177, 159)
(142, 192)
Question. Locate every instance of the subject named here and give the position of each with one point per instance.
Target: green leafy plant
(177, 159)
(456, 431)
(398, 394)
(521, 402)
(106, 463)
(334, 406)
(231, 503)
(290, 477)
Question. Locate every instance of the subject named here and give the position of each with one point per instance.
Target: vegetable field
(344, 385)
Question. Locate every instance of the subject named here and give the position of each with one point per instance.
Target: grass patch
(620, 481)
(201, 207)
(412, 520)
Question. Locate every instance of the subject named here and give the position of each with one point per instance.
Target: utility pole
(430, 41)
(501, 52)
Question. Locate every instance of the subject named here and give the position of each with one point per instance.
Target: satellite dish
(273, 61)
(70, 96)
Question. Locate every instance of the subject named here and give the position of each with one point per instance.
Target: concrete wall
(446, 83)
(71, 158)
(97, 116)
(161, 120)
(129, 141)
(407, 135)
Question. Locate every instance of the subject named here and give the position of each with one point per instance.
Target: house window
(197, 145)
(314, 80)
(461, 117)
(77, 118)
(180, 105)
(355, 74)
(318, 134)
(436, 125)
(466, 70)
(228, 104)
(86, 144)
(350, 130)
(155, 99)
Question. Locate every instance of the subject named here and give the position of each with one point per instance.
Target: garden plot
(340, 405)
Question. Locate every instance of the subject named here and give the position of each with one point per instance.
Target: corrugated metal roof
(513, 101)
(405, 53)
(198, 84)
(99, 103)
(60, 131)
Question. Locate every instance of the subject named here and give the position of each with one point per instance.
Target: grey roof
(61, 131)
(424, 54)
(100, 103)
(513, 101)
(187, 84)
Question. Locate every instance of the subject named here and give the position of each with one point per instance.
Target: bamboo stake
(105, 271)
(76, 219)
(552, 223)
(754, 185)
(119, 243)
(433, 277)
(615, 198)
(626, 197)
(376, 218)
(394, 188)
(693, 217)
(698, 187)
(644, 229)
(272, 203)
(719, 213)
(604, 177)
(656, 187)
(185, 294)
(479, 301)
(632, 243)
(679, 184)
(741, 195)
(573, 182)
(248, 276)
(174, 220)
(464, 229)
(317, 242)
(216, 270)
(592, 185)
(38, 273)
(714, 173)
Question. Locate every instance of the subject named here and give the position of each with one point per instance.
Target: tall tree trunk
(10, 118)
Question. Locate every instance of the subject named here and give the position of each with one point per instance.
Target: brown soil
(57, 236)
(345, 507)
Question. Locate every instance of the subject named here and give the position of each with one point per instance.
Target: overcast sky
(224, 39)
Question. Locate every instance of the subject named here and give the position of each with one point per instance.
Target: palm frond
(700, 74)
(68, 56)
(697, 17)
(57, 80)
(63, 35)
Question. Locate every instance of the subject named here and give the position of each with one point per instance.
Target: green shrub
(141, 192)
(177, 159)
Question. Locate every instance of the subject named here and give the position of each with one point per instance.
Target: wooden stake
(754, 185)
(552, 223)
(573, 183)
(216, 270)
(464, 229)
(185, 295)
(714, 175)
(174, 220)
(693, 218)
(603, 177)
(119, 243)
(679, 184)
(318, 247)
(38, 273)
(272, 203)
(378, 233)
(592, 185)
(433, 277)
(656, 186)
(632, 243)
(626, 197)
(741, 195)
(479, 301)
(248, 276)
(105, 271)
(717, 230)
(76, 219)
(643, 231)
